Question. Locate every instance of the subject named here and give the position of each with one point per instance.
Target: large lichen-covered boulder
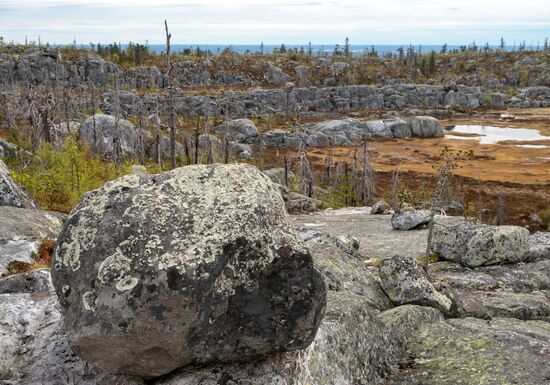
(406, 282)
(476, 245)
(197, 265)
(103, 134)
(11, 193)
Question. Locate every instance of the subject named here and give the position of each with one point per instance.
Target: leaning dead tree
(171, 102)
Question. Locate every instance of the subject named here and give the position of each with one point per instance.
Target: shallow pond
(492, 135)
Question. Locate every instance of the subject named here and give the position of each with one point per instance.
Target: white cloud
(290, 21)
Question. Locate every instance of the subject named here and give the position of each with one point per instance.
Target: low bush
(57, 178)
(545, 218)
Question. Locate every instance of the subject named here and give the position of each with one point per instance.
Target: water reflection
(492, 135)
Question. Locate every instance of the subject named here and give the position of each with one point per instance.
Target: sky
(276, 22)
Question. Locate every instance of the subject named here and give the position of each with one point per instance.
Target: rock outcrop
(476, 351)
(198, 265)
(475, 245)
(11, 193)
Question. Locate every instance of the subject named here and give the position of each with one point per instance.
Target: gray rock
(343, 267)
(380, 208)
(341, 132)
(539, 246)
(475, 245)
(487, 305)
(499, 351)
(30, 282)
(33, 345)
(239, 130)
(403, 322)
(352, 346)
(512, 291)
(518, 278)
(318, 139)
(204, 252)
(406, 282)
(21, 231)
(281, 139)
(98, 131)
(399, 127)
(408, 219)
(27, 224)
(535, 218)
(426, 127)
(298, 203)
(276, 76)
(11, 193)
(378, 128)
(277, 175)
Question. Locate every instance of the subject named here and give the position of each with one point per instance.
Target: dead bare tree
(500, 210)
(444, 172)
(305, 171)
(395, 190)
(140, 144)
(197, 138)
(117, 145)
(367, 178)
(171, 101)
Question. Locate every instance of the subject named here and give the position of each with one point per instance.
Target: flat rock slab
(474, 352)
(516, 291)
(375, 234)
(21, 231)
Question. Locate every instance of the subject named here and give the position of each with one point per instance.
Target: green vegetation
(57, 178)
(545, 217)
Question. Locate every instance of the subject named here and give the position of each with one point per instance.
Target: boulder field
(199, 276)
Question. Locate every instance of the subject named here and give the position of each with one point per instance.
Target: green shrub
(545, 217)
(57, 178)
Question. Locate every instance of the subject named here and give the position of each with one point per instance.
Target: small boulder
(11, 193)
(198, 265)
(476, 245)
(98, 131)
(380, 207)
(276, 76)
(277, 175)
(317, 139)
(409, 218)
(239, 130)
(426, 127)
(405, 282)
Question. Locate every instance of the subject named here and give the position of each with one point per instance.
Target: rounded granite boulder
(193, 266)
